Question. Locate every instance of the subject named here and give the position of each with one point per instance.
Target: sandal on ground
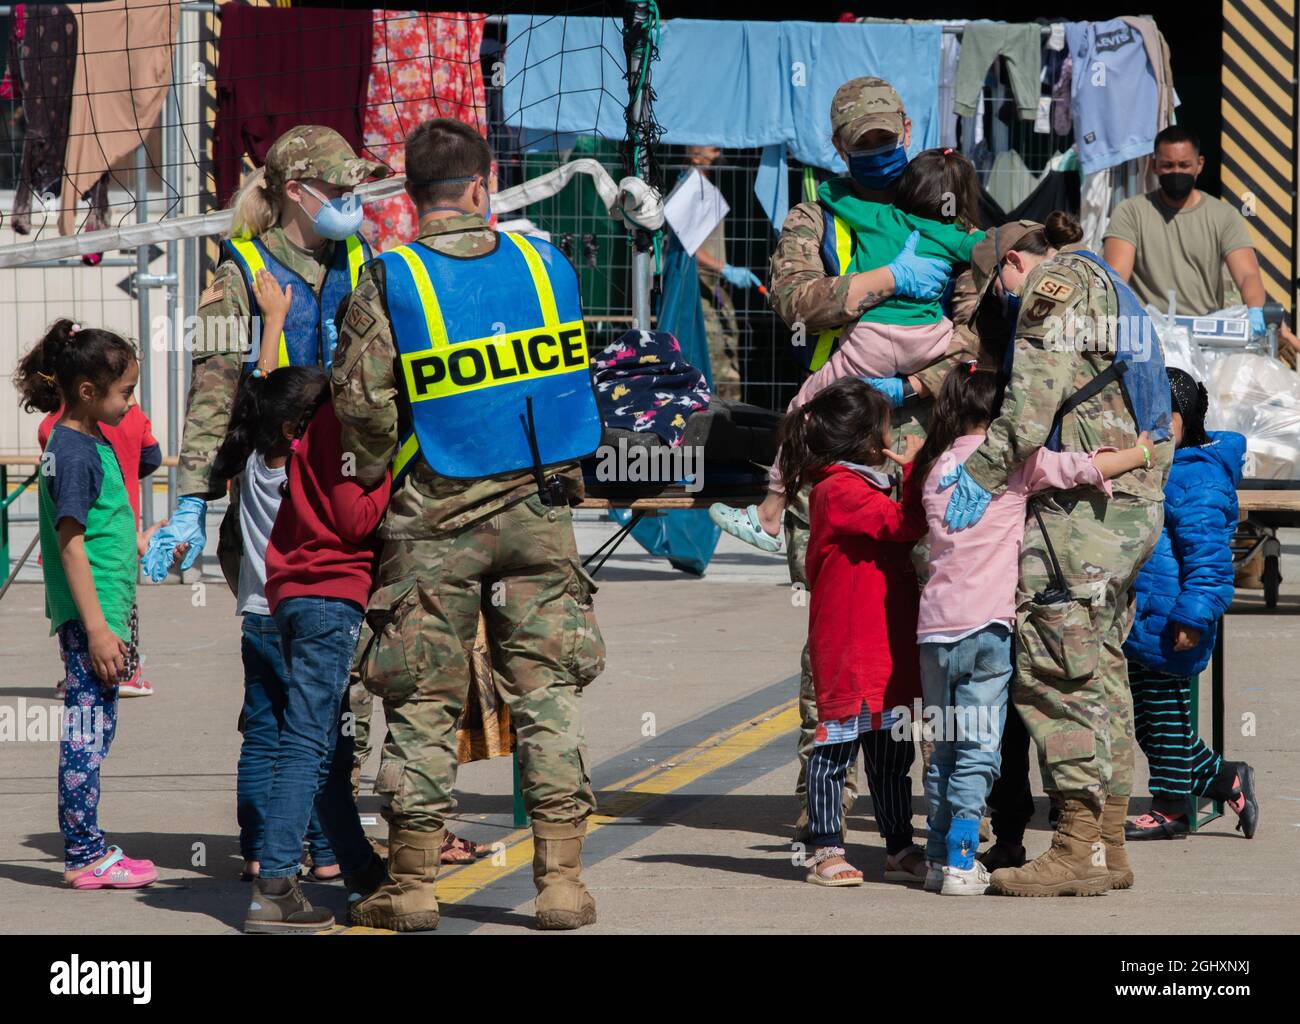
(743, 524)
(117, 871)
(828, 867)
(456, 850)
(907, 865)
(1156, 825)
(1243, 802)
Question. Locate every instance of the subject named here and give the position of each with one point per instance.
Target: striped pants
(1181, 765)
(887, 762)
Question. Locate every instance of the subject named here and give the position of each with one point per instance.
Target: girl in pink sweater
(968, 611)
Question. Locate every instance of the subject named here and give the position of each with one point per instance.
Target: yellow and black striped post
(1258, 140)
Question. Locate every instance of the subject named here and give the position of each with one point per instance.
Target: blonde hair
(256, 207)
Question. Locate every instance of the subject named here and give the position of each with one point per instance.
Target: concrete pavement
(690, 736)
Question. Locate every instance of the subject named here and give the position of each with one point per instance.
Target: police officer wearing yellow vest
(296, 219)
(462, 364)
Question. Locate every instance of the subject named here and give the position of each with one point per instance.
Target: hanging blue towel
(568, 75)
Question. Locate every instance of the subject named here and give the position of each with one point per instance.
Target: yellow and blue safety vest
(309, 334)
(483, 342)
(838, 245)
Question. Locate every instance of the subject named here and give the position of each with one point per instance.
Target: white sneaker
(933, 876)
(968, 882)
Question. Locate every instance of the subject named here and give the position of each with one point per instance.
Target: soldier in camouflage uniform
(865, 113)
(1071, 682)
(275, 208)
(449, 548)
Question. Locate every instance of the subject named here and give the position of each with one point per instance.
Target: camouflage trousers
(521, 568)
(1071, 682)
(724, 341)
(362, 703)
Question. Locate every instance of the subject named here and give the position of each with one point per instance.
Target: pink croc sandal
(117, 872)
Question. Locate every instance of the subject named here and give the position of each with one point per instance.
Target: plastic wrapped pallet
(1258, 396)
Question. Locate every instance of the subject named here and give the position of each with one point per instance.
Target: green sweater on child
(881, 231)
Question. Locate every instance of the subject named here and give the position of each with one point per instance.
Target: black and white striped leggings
(888, 762)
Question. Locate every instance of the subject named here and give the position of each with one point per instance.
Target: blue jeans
(964, 686)
(261, 722)
(318, 636)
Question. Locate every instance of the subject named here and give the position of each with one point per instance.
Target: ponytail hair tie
(73, 329)
(947, 152)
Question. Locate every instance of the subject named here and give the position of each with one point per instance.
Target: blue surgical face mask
(337, 219)
(878, 168)
(1010, 302)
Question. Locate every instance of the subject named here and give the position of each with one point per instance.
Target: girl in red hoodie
(319, 568)
(862, 619)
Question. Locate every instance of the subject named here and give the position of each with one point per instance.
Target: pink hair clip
(73, 329)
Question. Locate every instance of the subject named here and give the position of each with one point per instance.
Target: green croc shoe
(743, 523)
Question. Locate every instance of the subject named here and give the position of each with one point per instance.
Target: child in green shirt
(89, 547)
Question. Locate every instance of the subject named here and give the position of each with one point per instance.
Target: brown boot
(1075, 865)
(562, 900)
(1112, 835)
(406, 902)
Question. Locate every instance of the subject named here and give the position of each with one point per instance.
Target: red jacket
(862, 616)
(323, 542)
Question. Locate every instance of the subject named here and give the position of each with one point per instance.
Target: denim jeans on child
(261, 722)
(89, 722)
(969, 676)
(318, 636)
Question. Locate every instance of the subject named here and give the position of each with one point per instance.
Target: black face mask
(1177, 185)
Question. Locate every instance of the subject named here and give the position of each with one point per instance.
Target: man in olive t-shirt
(1179, 238)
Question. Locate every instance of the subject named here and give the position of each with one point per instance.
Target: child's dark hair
(939, 184)
(1191, 401)
(844, 422)
(47, 375)
(970, 395)
(291, 394)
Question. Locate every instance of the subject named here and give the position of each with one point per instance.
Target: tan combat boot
(406, 902)
(562, 900)
(1075, 865)
(1112, 835)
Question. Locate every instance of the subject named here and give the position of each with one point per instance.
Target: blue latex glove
(890, 387)
(185, 527)
(918, 277)
(968, 501)
(1257, 326)
(740, 277)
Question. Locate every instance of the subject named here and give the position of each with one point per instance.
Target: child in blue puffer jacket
(1181, 593)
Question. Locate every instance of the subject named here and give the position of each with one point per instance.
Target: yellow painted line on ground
(623, 799)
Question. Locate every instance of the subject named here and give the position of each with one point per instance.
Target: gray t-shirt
(1179, 249)
(259, 501)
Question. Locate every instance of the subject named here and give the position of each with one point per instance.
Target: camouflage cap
(314, 151)
(861, 105)
(997, 242)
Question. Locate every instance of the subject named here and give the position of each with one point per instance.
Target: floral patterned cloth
(423, 66)
(643, 383)
(90, 721)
